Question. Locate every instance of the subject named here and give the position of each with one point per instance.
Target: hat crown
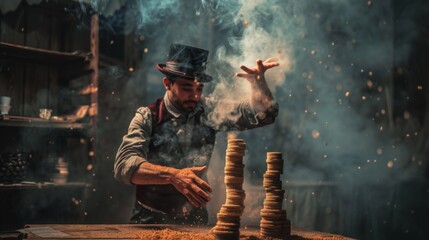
(186, 62)
(188, 56)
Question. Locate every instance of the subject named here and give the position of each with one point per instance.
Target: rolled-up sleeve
(134, 147)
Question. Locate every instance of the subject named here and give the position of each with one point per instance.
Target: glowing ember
(338, 68)
(315, 134)
(75, 201)
(89, 167)
(407, 115)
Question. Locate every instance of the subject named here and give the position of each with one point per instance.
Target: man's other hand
(187, 182)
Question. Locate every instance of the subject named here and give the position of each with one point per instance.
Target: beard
(186, 106)
(189, 106)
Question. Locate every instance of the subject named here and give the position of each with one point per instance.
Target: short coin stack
(228, 218)
(274, 222)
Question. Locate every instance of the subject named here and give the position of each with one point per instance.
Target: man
(169, 143)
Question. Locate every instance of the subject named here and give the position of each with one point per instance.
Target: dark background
(338, 182)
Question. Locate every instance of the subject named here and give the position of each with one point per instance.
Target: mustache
(190, 101)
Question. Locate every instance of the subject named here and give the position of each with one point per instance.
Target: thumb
(198, 169)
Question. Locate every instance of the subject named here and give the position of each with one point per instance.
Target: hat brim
(202, 77)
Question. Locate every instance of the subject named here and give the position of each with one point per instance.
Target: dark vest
(165, 149)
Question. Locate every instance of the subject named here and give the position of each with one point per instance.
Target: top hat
(186, 62)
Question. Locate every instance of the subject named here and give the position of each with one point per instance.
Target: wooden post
(94, 66)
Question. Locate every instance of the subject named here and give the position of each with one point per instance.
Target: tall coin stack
(274, 222)
(228, 218)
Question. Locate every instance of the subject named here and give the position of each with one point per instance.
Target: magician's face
(184, 94)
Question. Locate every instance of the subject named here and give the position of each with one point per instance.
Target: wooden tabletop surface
(140, 231)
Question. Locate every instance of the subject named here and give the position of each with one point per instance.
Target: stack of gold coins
(228, 218)
(274, 222)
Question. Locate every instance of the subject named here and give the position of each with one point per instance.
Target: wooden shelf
(19, 121)
(42, 185)
(30, 53)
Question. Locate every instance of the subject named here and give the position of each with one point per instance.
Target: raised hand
(257, 72)
(187, 182)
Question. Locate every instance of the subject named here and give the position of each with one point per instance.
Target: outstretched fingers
(195, 189)
(190, 197)
(270, 65)
(195, 195)
(202, 184)
(201, 196)
(258, 70)
(260, 66)
(198, 170)
(271, 62)
(244, 75)
(248, 70)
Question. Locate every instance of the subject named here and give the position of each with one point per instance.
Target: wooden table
(137, 231)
